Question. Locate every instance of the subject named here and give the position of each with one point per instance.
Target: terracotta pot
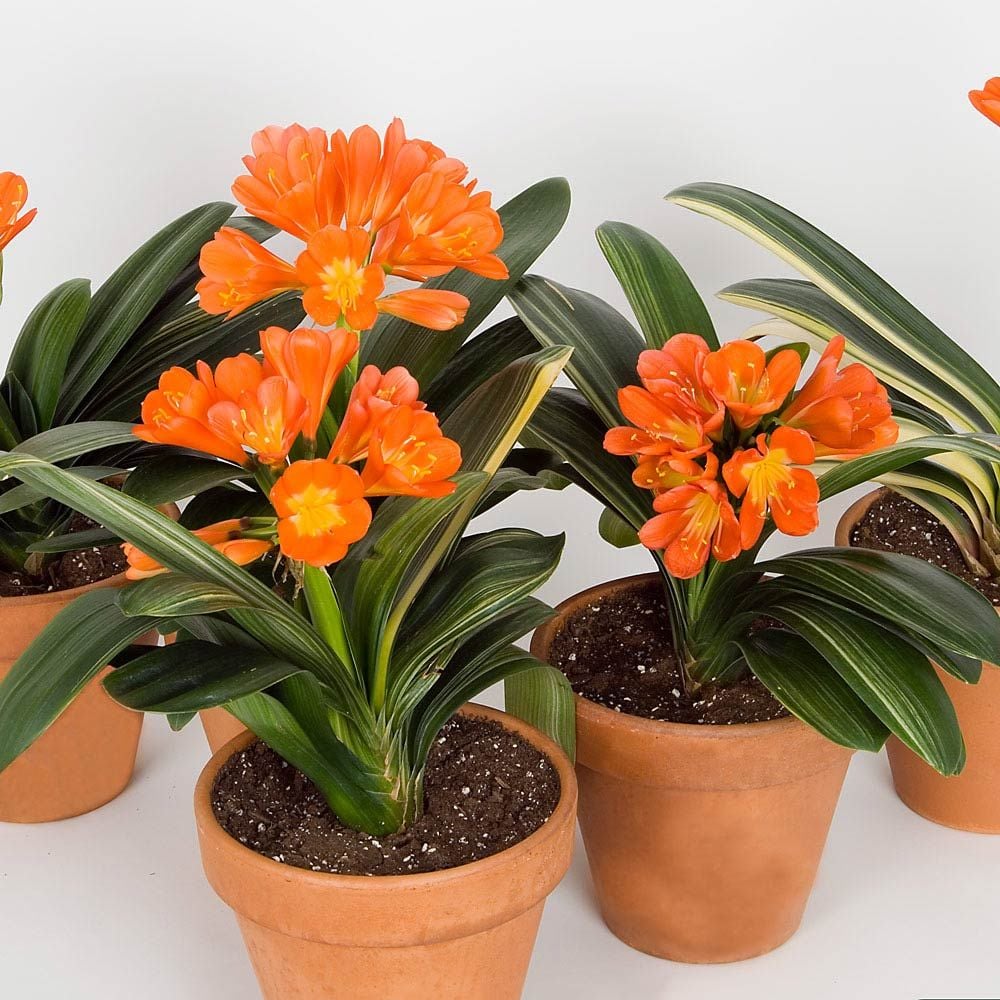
(970, 800)
(703, 841)
(461, 934)
(220, 727)
(87, 756)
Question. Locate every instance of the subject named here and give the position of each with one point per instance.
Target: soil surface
(485, 790)
(71, 569)
(895, 524)
(618, 651)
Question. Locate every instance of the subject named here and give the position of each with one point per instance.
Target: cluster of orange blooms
(13, 195)
(987, 100)
(366, 208)
(252, 412)
(700, 411)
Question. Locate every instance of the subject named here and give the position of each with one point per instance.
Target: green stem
(324, 610)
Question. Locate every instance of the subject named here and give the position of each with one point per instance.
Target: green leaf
(174, 477)
(811, 689)
(487, 354)
(893, 679)
(172, 595)
(615, 530)
(531, 222)
(42, 350)
(72, 440)
(24, 496)
(541, 696)
(130, 294)
(74, 541)
(68, 653)
(920, 597)
(191, 676)
(850, 283)
(20, 406)
(661, 295)
(605, 345)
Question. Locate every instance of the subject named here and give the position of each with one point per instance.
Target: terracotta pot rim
(854, 513)
(602, 715)
(72, 593)
(565, 810)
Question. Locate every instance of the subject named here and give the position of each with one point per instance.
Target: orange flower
(664, 425)
(765, 475)
(313, 360)
(264, 415)
(751, 386)
(292, 182)
(409, 456)
(691, 521)
(225, 537)
(372, 397)
(442, 225)
(340, 284)
(13, 195)
(846, 412)
(678, 368)
(377, 176)
(434, 309)
(660, 474)
(176, 413)
(239, 272)
(987, 100)
(321, 511)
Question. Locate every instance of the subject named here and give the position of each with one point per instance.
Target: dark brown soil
(618, 652)
(485, 790)
(895, 524)
(71, 569)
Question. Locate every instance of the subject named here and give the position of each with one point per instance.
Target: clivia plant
(702, 451)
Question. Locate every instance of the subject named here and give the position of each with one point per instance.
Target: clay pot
(220, 727)
(462, 934)
(970, 800)
(703, 841)
(86, 757)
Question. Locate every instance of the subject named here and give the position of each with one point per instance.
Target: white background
(124, 115)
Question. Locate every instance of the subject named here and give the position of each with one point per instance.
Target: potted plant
(940, 508)
(720, 699)
(77, 369)
(336, 610)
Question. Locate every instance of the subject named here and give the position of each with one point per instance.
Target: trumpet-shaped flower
(313, 360)
(372, 397)
(435, 309)
(176, 413)
(291, 180)
(692, 521)
(13, 195)
(751, 387)
(321, 511)
(987, 100)
(662, 473)
(678, 368)
(846, 412)
(764, 476)
(442, 225)
(409, 456)
(224, 536)
(664, 425)
(340, 284)
(239, 273)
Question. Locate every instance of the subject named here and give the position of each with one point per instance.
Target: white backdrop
(122, 115)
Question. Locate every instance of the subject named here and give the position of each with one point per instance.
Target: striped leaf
(171, 477)
(541, 696)
(661, 295)
(851, 283)
(72, 440)
(798, 676)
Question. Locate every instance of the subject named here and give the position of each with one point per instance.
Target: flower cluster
(366, 208)
(13, 195)
(987, 100)
(252, 413)
(721, 438)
